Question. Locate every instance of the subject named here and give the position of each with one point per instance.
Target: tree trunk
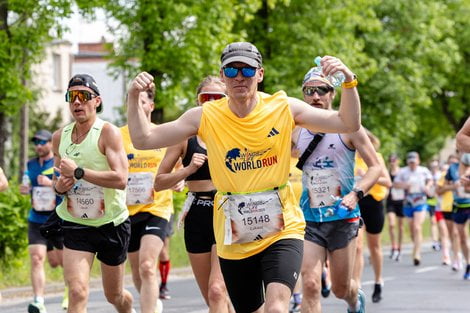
(24, 134)
(3, 138)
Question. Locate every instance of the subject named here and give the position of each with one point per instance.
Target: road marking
(426, 269)
(372, 282)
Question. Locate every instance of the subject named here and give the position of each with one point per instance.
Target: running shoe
(416, 262)
(325, 288)
(445, 259)
(159, 308)
(466, 276)
(377, 295)
(397, 255)
(392, 253)
(361, 298)
(36, 307)
(295, 308)
(164, 293)
(436, 246)
(65, 299)
(456, 266)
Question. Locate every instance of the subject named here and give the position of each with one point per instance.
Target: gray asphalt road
(429, 287)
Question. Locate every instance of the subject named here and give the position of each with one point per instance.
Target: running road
(430, 287)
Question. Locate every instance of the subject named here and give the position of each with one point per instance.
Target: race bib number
(184, 211)
(462, 193)
(416, 199)
(43, 198)
(397, 194)
(252, 217)
(323, 187)
(139, 188)
(85, 200)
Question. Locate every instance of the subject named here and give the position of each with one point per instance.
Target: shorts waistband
(201, 194)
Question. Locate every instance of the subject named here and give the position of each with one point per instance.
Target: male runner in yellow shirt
(258, 226)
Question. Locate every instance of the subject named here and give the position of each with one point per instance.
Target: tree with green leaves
(410, 58)
(25, 27)
(177, 42)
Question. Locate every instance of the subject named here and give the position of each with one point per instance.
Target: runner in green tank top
(89, 157)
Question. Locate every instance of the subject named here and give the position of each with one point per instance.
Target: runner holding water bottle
(328, 177)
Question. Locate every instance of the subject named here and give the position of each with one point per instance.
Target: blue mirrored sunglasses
(232, 72)
(39, 142)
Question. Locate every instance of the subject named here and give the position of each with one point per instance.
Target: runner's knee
(311, 287)
(147, 268)
(217, 292)
(341, 291)
(77, 291)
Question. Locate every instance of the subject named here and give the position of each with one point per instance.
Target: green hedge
(14, 209)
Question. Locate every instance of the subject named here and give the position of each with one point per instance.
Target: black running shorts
(146, 224)
(246, 279)
(332, 235)
(198, 224)
(109, 242)
(395, 207)
(35, 238)
(372, 212)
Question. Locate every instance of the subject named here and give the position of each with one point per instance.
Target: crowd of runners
(281, 193)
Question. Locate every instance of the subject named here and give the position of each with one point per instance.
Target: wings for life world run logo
(237, 160)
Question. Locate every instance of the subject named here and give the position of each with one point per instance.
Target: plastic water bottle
(336, 79)
(340, 209)
(25, 179)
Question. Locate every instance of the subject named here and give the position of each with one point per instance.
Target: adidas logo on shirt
(273, 132)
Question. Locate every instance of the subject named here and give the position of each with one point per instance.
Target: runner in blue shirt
(43, 202)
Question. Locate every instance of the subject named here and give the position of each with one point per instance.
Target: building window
(56, 72)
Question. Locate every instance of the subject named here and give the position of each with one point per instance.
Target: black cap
(42, 135)
(244, 52)
(87, 81)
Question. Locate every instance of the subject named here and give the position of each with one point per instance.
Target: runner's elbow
(121, 182)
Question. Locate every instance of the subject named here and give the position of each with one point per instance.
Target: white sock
(39, 299)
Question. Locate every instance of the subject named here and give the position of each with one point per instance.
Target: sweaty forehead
(213, 88)
(316, 83)
(73, 88)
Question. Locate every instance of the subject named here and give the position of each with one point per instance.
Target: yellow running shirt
(378, 192)
(143, 166)
(251, 154)
(447, 198)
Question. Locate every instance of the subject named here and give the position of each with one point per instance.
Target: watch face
(78, 173)
(359, 193)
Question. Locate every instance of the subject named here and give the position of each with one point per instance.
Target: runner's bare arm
(463, 137)
(384, 178)
(61, 183)
(143, 135)
(165, 178)
(110, 144)
(364, 147)
(346, 120)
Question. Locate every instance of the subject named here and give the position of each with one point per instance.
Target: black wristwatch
(359, 193)
(78, 173)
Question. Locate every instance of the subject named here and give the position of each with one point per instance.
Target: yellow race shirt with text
(251, 154)
(147, 161)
